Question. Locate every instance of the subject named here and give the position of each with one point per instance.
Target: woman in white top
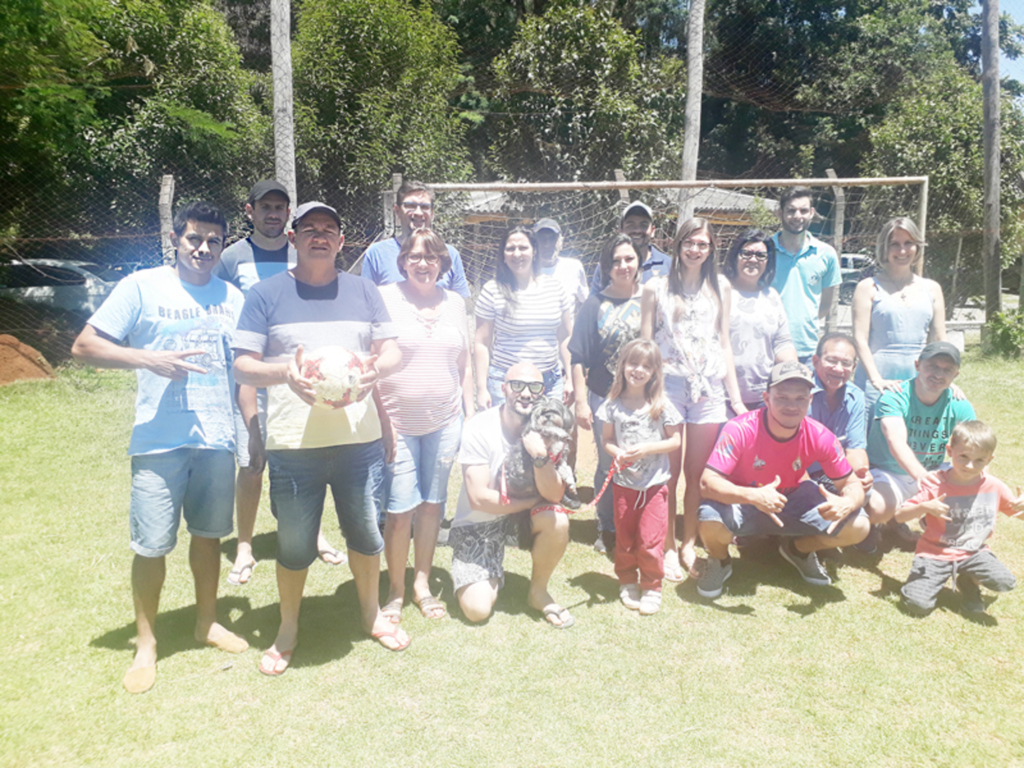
(757, 320)
(423, 405)
(521, 316)
(687, 315)
(895, 312)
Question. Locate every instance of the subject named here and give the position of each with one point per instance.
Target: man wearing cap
(806, 271)
(753, 484)
(285, 318)
(910, 430)
(414, 209)
(264, 253)
(567, 271)
(638, 222)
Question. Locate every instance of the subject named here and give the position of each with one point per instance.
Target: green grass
(773, 673)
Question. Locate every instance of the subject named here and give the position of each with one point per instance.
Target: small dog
(554, 422)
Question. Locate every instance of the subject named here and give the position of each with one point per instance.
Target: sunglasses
(535, 387)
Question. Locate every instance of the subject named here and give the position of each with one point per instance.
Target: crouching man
(752, 484)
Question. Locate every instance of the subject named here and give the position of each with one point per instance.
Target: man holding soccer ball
(287, 318)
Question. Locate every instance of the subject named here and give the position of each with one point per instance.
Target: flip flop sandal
(235, 576)
(393, 610)
(275, 657)
(392, 633)
(429, 607)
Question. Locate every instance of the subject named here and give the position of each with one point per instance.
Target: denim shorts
(199, 482)
(799, 517)
(298, 487)
(710, 410)
(903, 486)
(553, 384)
(242, 431)
(421, 468)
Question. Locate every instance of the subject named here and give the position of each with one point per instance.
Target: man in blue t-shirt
(414, 209)
(911, 427)
(806, 271)
(638, 222)
(178, 321)
(264, 253)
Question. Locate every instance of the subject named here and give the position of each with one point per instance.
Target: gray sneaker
(808, 566)
(712, 580)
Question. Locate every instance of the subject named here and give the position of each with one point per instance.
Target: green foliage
(372, 83)
(1005, 333)
(578, 102)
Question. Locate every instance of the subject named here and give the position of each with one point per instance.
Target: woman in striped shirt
(521, 316)
(423, 403)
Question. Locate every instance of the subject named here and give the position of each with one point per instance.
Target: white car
(73, 286)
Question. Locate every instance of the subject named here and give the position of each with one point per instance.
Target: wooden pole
(694, 92)
(166, 210)
(990, 250)
(284, 121)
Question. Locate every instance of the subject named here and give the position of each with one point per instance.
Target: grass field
(773, 673)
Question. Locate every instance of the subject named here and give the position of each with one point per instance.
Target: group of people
(680, 371)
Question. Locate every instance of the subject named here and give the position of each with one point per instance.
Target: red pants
(641, 519)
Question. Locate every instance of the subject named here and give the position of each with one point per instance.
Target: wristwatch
(541, 461)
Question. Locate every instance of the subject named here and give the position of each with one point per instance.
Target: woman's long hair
(608, 257)
(503, 277)
(646, 351)
(731, 266)
(708, 270)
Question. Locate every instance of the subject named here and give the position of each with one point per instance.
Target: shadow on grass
(601, 588)
(583, 531)
(264, 547)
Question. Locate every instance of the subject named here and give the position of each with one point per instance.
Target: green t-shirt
(928, 426)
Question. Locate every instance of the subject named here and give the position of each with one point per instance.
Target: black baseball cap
(940, 348)
(263, 188)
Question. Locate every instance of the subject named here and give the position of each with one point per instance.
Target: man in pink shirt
(755, 484)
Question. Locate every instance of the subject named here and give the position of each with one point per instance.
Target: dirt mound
(20, 361)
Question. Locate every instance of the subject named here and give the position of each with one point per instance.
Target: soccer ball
(334, 373)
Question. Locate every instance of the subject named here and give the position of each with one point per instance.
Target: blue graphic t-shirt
(154, 309)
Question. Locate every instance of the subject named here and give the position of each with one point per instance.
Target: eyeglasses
(694, 245)
(835, 362)
(754, 255)
(411, 207)
(426, 258)
(535, 387)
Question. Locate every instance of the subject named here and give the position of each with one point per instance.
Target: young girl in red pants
(641, 427)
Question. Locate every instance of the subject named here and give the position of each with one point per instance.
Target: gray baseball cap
(638, 207)
(790, 369)
(307, 208)
(263, 188)
(547, 224)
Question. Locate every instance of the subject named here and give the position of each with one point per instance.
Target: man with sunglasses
(486, 518)
(414, 209)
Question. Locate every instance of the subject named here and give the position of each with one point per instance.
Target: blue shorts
(298, 487)
(242, 431)
(710, 410)
(199, 482)
(553, 384)
(422, 466)
(799, 517)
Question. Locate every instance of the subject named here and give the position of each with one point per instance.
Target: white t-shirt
(572, 277)
(483, 443)
(529, 333)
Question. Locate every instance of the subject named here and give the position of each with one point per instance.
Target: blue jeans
(799, 517)
(605, 506)
(298, 487)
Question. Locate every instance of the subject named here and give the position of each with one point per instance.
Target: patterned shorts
(478, 551)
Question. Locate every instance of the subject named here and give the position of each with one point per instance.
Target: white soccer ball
(334, 373)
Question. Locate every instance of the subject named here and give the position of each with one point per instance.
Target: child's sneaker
(970, 595)
(629, 594)
(650, 602)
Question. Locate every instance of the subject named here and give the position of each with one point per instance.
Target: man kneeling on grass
(485, 521)
(178, 321)
(959, 505)
(752, 484)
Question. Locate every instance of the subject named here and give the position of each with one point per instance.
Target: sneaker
(808, 566)
(629, 594)
(712, 581)
(906, 539)
(599, 545)
(870, 544)
(650, 601)
(970, 595)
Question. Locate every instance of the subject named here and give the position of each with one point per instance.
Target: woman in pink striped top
(423, 403)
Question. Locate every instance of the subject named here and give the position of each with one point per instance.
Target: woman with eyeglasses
(522, 316)
(423, 403)
(757, 320)
(687, 316)
(895, 312)
(606, 322)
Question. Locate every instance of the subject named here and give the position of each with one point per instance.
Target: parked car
(853, 267)
(71, 286)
